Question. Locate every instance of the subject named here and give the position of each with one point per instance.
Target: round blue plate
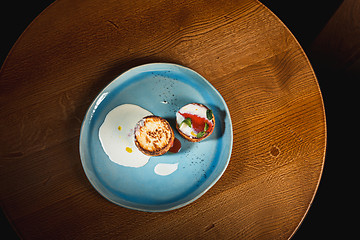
(162, 89)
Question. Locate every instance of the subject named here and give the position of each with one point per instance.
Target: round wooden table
(75, 48)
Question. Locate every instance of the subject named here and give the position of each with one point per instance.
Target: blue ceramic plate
(162, 89)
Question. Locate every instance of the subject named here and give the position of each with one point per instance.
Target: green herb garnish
(209, 114)
(200, 134)
(206, 127)
(187, 121)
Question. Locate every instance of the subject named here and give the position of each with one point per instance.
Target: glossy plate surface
(162, 89)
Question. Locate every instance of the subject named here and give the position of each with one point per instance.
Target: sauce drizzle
(176, 146)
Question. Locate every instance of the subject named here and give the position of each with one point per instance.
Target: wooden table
(75, 48)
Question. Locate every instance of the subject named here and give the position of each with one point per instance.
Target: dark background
(305, 19)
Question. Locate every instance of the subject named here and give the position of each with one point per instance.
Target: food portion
(130, 134)
(116, 135)
(195, 122)
(153, 136)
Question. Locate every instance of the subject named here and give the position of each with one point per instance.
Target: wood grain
(74, 48)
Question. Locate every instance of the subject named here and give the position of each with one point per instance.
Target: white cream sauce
(116, 135)
(164, 169)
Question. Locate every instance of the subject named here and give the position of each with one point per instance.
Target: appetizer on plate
(195, 122)
(153, 136)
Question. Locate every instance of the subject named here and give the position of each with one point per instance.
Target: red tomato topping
(198, 123)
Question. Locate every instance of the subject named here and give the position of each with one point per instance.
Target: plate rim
(95, 101)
